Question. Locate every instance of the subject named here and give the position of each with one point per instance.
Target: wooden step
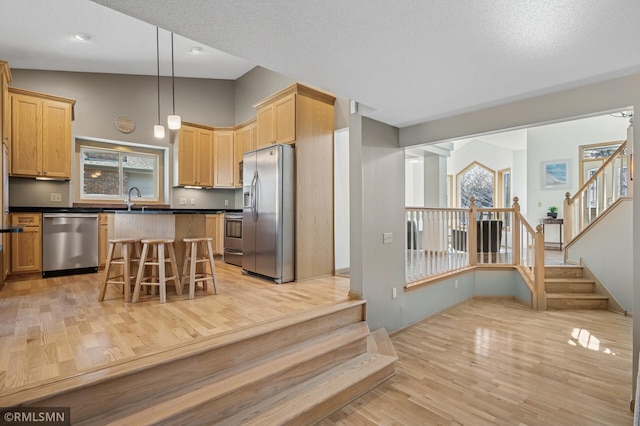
(569, 285)
(563, 271)
(213, 399)
(576, 301)
(321, 395)
(121, 384)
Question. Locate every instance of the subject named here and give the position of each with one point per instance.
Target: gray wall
(260, 83)
(254, 86)
(377, 206)
(103, 97)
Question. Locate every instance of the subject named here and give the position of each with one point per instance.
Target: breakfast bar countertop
(109, 209)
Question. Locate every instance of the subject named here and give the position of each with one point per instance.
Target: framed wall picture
(555, 174)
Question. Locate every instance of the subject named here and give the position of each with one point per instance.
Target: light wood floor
(498, 362)
(56, 327)
(481, 362)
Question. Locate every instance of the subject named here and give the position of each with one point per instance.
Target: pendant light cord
(173, 83)
(158, 68)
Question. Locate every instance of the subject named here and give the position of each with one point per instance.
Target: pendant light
(173, 121)
(158, 129)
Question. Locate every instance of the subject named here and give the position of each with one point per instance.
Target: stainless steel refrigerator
(268, 222)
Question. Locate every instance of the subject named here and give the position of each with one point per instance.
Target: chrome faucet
(128, 200)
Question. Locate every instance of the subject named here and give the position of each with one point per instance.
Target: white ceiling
(39, 34)
(405, 62)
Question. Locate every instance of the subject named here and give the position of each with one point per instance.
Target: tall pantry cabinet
(303, 116)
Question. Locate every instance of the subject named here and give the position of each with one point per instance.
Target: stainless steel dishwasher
(69, 243)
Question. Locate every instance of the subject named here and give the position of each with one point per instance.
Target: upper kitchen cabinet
(193, 154)
(292, 113)
(277, 121)
(224, 157)
(40, 135)
(246, 135)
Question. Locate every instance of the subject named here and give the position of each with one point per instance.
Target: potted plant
(553, 212)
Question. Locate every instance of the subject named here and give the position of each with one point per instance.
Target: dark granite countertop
(16, 209)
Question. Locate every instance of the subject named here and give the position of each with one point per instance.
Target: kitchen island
(150, 222)
(172, 224)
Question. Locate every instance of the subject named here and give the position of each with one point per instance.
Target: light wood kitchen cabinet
(246, 135)
(238, 155)
(214, 224)
(305, 116)
(26, 246)
(276, 121)
(193, 154)
(103, 237)
(223, 157)
(40, 135)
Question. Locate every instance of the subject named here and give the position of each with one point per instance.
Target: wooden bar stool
(191, 260)
(158, 260)
(127, 257)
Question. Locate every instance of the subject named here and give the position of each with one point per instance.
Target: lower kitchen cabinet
(26, 246)
(103, 238)
(214, 224)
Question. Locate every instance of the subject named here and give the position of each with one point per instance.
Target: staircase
(565, 288)
(293, 370)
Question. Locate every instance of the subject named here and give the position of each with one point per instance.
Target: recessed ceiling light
(197, 49)
(83, 36)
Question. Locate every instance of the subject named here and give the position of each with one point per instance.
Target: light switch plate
(387, 238)
(183, 201)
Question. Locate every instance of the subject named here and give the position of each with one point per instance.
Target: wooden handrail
(577, 214)
(593, 178)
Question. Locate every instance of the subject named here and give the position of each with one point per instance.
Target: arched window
(476, 181)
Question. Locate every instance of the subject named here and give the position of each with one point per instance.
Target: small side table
(553, 245)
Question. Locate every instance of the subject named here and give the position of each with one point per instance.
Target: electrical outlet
(226, 202)
(193, 201)
(394, 293)
(183, 201)
(56, 196)
(387, 238)
(456, 283)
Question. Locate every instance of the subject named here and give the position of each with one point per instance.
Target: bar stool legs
(191, 260)
(127, 245)
(158, 260)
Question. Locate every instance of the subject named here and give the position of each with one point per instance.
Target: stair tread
(568, 280)
(593, 296)
(289, 404)
(236, 378)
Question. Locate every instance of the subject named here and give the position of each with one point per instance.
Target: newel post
(539, 270)
(472, 233)
(516, 232)
(568, 219)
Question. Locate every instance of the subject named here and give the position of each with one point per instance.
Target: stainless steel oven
(233, 238)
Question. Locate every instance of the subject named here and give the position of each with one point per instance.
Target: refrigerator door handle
(254, 195)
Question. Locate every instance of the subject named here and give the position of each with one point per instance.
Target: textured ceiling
(415, 60)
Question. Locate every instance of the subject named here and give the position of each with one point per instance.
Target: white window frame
(160, 180)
